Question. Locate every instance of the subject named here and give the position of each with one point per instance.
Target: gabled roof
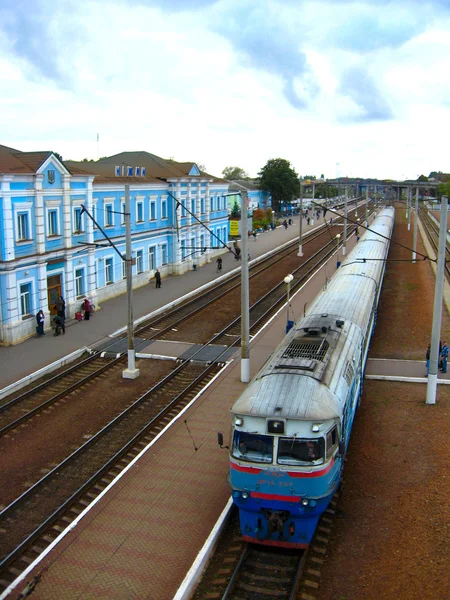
(104, 172)
(15, 161)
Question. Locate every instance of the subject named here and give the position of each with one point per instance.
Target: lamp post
(287, 281)
(338, 237)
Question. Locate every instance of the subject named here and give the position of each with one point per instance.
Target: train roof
(290, 385)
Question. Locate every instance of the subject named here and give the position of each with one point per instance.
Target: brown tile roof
(104, 172)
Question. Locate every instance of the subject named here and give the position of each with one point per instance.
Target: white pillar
(39, 215)
(8, 219)
(66, 212)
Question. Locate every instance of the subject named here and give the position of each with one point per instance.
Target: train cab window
(293, 451)
(252, 447)
(332, 441)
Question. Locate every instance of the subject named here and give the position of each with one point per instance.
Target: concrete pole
(409, 203)
(245, 306)
(437, 310)
(416, 218)
(344, 243)
(300, 249)
(131, 372)
(367, 206)
(287, 281)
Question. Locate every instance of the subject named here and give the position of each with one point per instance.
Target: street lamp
(287, 281)
(338, 263)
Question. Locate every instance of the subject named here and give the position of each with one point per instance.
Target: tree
(422, 178)
(281, 180)
(58, 156)
(234, 173)
(443, 189)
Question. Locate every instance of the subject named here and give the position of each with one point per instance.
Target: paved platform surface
(142, 536)
(29, 356)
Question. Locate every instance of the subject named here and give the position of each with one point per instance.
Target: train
(291, 426)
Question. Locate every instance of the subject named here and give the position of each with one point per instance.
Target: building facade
(54, 216)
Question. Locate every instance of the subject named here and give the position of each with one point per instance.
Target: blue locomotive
(291, 426)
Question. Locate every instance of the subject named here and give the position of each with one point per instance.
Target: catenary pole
(344, 242)
(300, 249)
(437, 310)
(131, 372)
(245, 307)
(416, 218)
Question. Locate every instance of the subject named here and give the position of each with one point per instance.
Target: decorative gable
(194, 172)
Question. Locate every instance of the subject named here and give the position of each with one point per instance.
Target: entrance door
(54, 291)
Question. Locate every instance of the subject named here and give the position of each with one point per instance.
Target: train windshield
(293, 451)
(252, 447)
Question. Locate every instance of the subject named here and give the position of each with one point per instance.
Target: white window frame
(164, 211)
(139, 206)
(80, 278)
(152, 215)
(27, 282)
(193, 203)
(202, 206)
(23, 209)
(110, 261)
(164, 254)
(106, 214)
(76, 231)
(122, 213)
(141, 250)
(124, 269)
(50, 209)
(151, 253)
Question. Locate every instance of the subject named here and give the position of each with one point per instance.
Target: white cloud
(232, 82)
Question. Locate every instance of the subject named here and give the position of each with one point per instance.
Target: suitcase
(78, 316)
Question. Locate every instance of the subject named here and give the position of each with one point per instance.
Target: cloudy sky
(336, 87)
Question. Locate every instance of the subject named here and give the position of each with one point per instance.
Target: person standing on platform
(444, 357)
(158, 278)
(60, 307)
(87, 309)
(40, 318)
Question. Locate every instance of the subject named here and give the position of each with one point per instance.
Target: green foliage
(261, 217)
(422, 178)
(281, 180)
(443, 190)
(444, 177)
(58, 156)
(235, 211)
(234, 173)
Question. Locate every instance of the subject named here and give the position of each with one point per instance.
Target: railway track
(432, 232)
(16, 410)
(75, 482)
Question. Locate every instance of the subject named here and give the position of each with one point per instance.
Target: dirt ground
(390, 539)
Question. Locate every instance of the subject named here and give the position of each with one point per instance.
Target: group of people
(60, 318)
(443, 357)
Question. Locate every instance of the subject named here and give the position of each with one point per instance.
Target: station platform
(35, 353)
(145, 531)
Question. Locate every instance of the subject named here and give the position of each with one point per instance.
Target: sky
(340, 88)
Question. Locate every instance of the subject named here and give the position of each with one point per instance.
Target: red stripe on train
(275, 497)
(294, 474)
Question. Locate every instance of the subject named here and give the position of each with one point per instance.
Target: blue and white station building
(49, 246)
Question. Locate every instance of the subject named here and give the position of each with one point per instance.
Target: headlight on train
(239, 421)
(244, 495)
(305, 501)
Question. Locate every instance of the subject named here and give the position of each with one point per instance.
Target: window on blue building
(139, 212)
(202, 206)
(164, 254)
(79, 282)
(151, 259)
(122, 213)
(25, 299)
(140, 261)
(164, 209)
(52, 222)
(109, 270)
(109, 217)
(152, 210)
(193, 206)
(23, 227)
(78, 220)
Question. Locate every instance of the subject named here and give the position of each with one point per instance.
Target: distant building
(50, 247)
(257, 198)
